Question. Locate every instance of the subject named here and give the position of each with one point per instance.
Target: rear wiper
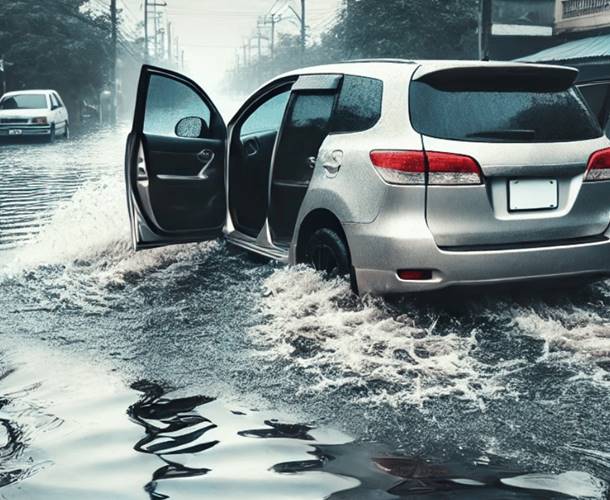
(505, 134)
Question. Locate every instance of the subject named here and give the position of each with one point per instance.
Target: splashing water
(522, 378)
(365, 345)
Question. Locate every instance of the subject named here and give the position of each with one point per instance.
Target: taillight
(448, 168)
(598, 168)
(400, 167)
(411, 167)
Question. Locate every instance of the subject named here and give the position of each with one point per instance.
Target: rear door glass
(305, 130)
(596, 95)
(479, 114)
(359, 104)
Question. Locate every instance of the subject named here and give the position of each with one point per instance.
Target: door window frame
(605, 111)
(255, 101)
(306, 84)
(136, 145)
(311, 83)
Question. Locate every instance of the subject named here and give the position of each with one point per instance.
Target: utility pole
(146, 54)
(156, 30)
(147, 13)
(2, 73)
(169, 42)
(485, 24)
(272, 21)
(303, 28)
(162, 47)
(113, 67)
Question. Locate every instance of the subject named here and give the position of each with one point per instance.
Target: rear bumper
(378, 252)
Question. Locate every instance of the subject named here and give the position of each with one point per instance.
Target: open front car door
(174, 165)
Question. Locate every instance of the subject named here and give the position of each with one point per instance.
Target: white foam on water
(573, 484)
(574, 332)
(85, 247)
(366, 345)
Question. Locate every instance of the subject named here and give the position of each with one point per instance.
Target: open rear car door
(174, 165)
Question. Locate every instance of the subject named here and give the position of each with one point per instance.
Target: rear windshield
(481, 113)
(24, 101)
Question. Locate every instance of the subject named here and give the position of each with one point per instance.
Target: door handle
(205, 156)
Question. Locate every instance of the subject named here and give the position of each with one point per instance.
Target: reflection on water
(71, 436)
(498, 396)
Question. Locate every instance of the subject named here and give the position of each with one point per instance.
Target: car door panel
(305, 127)
(187, 192)
(254, 133)
(175, 184)
(253, 185)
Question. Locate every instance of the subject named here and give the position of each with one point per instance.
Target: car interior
(302, 116)
(251, 157)
(305, 128)
(182, 137)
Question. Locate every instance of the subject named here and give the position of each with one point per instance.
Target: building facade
(578, 16)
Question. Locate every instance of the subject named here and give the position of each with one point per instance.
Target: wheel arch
(314, 220)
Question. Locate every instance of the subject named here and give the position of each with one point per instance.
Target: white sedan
(34, 113)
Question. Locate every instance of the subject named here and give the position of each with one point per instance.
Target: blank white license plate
(532, 194)
(15, 131)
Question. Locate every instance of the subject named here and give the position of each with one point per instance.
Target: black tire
(67, 131)
(51, 137)
(327, 251)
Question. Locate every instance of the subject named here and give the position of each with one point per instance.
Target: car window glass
(54, 101)
(268, 116)
(24, 101)
(306, 128)
(595, 95)
(169, 101)
(504, 115)
(359, 104)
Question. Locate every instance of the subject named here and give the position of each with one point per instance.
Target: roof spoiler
(528, 78)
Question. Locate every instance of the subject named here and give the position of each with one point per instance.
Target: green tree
(408, 29)
(422, 29)
(56, 44)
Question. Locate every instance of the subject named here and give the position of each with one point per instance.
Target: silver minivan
(405, 175)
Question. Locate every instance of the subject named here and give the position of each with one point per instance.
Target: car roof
(373, 67)
(21, 92)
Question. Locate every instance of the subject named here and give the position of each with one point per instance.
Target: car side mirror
(192, 127)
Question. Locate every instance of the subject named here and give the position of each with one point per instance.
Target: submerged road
(198, 372)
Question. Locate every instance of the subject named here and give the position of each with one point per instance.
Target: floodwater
(199, 372)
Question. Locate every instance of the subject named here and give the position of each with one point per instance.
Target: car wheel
(327, 251)
(67, 131)
(51, 136)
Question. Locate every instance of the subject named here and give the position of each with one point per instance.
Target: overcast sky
(210, 31)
